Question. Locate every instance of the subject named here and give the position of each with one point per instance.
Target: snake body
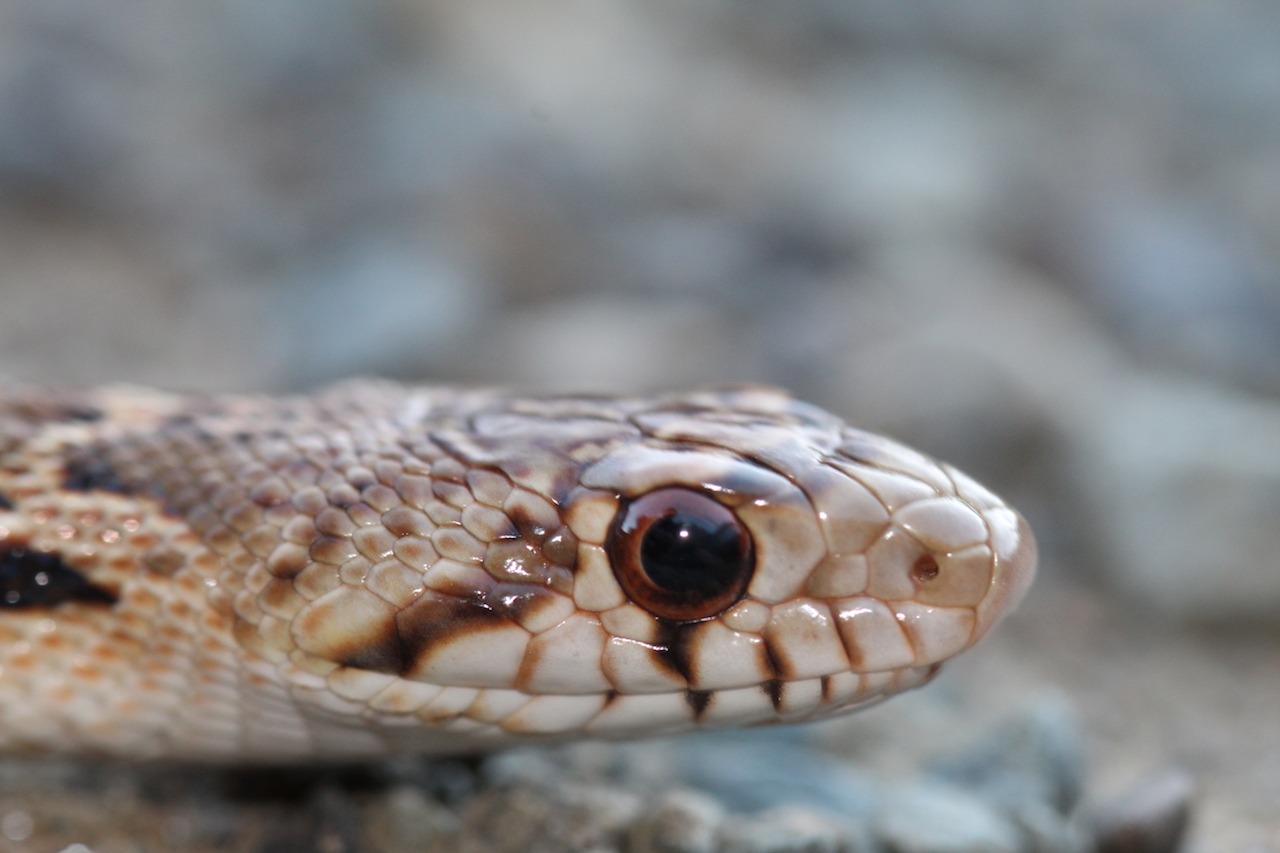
(379, 568)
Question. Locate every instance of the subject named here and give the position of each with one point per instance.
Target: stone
(681, 821)
(1183, 480)
(1181, 286)
(563, 815)
(1152, 817)
(1036, 757)
(1046, 830)
(407, 820)
(938, 818)
(793, 829)
(753, 770)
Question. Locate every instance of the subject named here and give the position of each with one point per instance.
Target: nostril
(925, 569)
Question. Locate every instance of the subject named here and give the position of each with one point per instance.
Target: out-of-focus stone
(1045, 830)
(940, 332)
(607, 343)
(406, 820)
(80, 307)
(913, 150)
(563, 816)
(1150, 818)
(681, 821)
(761, 769)
(1036, 757)
(794, 830)
(937, 818)
(341, 319)
(1183, 288)
(1183, 483)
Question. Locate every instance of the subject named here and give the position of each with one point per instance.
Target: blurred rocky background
(1038, 238)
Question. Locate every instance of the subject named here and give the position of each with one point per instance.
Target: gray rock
(1182, 287)
(1150, 818)
(1045, 830)
(550, 817)
(938, 818)
(610, 343)
(681, 821)
(1183, 481)
(1035, 758)
(793, 830)
(529, 766)
(407, 821)
(754, 770)
(338, 310)
(508, 819)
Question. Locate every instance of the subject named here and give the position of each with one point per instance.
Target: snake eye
(680, 554)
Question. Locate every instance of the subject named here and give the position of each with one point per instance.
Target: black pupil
(693, 556)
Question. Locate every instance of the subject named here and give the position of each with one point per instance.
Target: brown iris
(681, 554)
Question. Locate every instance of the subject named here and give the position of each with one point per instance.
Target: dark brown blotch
(383, 652)
(5, 501)
(698, 701)
(83, 413)
(773, 689)
(561, 547)
(520, 601)
(672, 646)
(775, 663)
(87, 469)
(436, 618)
(44, 408)
(33, 579)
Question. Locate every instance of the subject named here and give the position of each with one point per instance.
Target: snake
(377, 569)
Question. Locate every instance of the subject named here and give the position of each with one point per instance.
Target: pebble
(1011, 790)
(681, 821)
(1182, 287)
(1037, 758)
(1183, 480)
(754, 770)
(1045, 830)
(406, 820)
(794, 829)
(938, 818)
(1150, 818)
(552, 815)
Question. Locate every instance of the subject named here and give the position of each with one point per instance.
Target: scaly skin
(379, 568)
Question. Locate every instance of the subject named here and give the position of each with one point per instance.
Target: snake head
(777, 564)
(614, 567)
